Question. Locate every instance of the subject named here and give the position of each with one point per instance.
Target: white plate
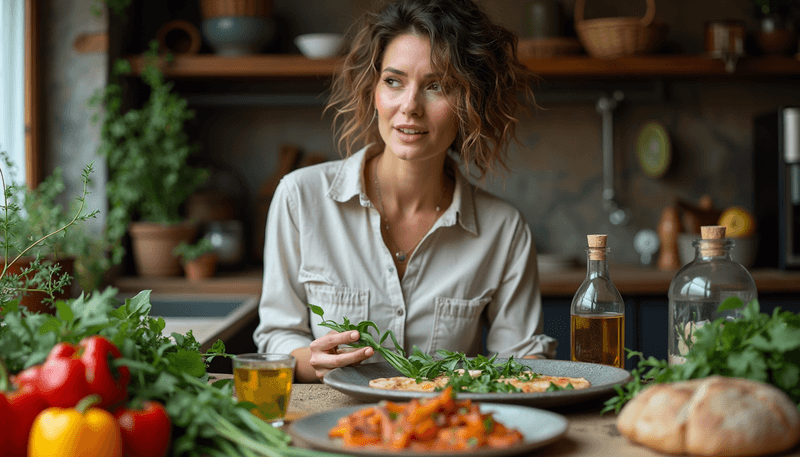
(538, 427)
(354, 381)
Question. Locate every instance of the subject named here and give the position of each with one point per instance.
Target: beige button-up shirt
(475, 268)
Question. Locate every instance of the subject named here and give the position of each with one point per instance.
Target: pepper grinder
(668, 229)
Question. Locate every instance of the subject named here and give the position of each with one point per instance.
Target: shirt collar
(349, 183)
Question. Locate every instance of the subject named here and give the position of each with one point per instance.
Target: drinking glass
(265, 380)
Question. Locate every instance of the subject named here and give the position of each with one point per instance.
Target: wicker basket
(217, 8)
(612, 37)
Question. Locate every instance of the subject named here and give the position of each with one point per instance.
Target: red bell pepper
(18, 409)
(28, 376)
(71, 373)
(146, 430)
(25, 404)
(6, 421)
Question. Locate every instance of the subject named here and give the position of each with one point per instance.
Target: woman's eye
(391, 82)
(435, 87)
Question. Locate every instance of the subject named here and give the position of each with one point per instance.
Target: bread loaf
(712, 416)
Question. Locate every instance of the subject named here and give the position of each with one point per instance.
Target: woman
(394, 233)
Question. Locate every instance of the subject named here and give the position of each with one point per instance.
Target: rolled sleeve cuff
(283, 345)
(543, 346)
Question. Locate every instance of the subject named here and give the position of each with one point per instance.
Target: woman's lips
(409, 133)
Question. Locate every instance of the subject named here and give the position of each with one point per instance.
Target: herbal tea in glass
(265, 380)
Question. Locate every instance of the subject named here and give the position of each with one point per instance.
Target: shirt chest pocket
(337, 302)
(456, 324)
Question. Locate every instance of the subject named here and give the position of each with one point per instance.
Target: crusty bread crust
(711, 417)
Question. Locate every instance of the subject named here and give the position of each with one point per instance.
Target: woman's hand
(327, 355)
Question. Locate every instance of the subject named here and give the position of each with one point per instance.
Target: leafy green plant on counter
(188, 252)
(420, 365)
(206, 418)
(146, 149)
(756, 346)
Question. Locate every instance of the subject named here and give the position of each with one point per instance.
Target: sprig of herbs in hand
(397, 359)
(420, 365)
(754, 346)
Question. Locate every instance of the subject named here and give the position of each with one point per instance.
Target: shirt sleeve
(283, 312)
(515, 313)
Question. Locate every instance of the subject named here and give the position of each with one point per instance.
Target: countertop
(630, 280)
(208, 329)
(589, 432)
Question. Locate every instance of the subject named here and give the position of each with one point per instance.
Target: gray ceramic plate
(354, 381)
(538, 427)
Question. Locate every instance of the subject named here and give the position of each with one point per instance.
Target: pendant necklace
(399, 254)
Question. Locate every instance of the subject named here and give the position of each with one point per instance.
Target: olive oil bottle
(597, 314)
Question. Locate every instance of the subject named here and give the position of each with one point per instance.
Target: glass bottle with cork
(597, 314)
(699, 287)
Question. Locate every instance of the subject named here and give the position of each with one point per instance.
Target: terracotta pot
(201, 268)
(153, 245)
(33, 300)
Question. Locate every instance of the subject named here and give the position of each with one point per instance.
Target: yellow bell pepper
(82, 431)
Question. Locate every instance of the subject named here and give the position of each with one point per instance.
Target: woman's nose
(411, 105)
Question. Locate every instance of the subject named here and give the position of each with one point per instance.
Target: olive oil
(598, 339)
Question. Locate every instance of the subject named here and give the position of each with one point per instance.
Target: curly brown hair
(484, 80)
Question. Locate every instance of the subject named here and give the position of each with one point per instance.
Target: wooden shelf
(255, 66)
(283, 66)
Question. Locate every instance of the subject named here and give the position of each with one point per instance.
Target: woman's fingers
(326, 354)
(329, 343)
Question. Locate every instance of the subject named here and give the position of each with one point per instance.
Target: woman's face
(414, 118)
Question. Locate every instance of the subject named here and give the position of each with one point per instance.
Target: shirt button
(391, 270)
(399, 312)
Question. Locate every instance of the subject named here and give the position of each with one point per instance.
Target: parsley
(754, 346)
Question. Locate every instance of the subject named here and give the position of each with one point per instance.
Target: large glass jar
(597, 314)
(701, 285)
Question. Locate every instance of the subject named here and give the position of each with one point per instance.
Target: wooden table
(589, 433)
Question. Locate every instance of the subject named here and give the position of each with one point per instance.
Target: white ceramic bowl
(319, 45)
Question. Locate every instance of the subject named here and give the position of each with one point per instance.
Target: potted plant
(147, 152)
(776, 34)
(198, 259)
(39, 240)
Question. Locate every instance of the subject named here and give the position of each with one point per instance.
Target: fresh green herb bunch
(206, 418)
(35, 227)
(755, 346)
(420, 365)
(189, 252)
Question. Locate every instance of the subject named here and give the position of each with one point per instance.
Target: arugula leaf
(420, 365)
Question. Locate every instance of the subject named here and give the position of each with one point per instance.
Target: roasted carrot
(440, 423)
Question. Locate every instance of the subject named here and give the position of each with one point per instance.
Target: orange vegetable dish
(437, 424)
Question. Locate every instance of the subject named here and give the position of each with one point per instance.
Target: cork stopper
(713, 232)
(713, 240)
(597, 246)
